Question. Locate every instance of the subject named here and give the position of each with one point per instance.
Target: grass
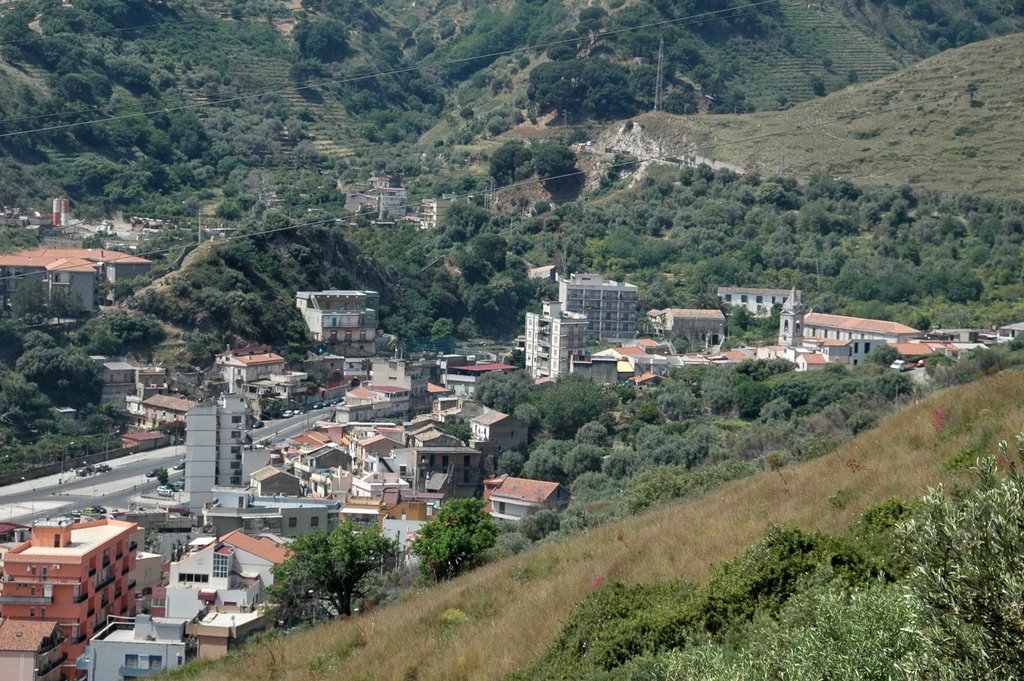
(501, 617)
(921, 127)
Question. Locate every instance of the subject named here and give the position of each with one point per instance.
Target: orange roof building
(516, 498)
(30, 650)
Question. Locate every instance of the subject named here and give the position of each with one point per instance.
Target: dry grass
(516, 607)
(909, 136)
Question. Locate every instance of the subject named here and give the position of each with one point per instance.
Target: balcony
(26, 600)
(133, 545)
(106, 581)
(124, 570)
(134, 672)
(56, 662)
(106, 561)
(92, 571)
(80, 598)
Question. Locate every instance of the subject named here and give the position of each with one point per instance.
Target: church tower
(791, 321)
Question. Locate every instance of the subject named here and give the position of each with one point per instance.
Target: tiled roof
(169, 402)
(267, 472)
(913, 349)
(254, 359)
(388, 388)
(643, 378)
(41, 257)
(360, 392)
(484, 367)
(856, 324)
(260, 546)
(633, 352)
(437, 389)
(525, 489)
(71, 265)
(142, 437)
(684, 313)
(24, 635)
(490, 417)
(814, 358)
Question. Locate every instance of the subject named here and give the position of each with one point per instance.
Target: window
(465, 461)
(236, 419)
(235, 434)
(314, 521)
(156, 661)
(220, 565)
(43, 572)
(760, 299)
(236, 450)
(293, 522)
(131, 661)
(501, 507)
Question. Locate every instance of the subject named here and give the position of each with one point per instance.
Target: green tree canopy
(328, 569)
(455, 539)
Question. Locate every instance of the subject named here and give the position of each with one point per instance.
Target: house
(241, 509)
(30, 650)
(698, 327)
(609, 306)
(270, 481)
(431, 436)
(384, 196)
(145, 441)
(76, 574)
(432, 210)
(408, 374)
(601, 370)
(345, 322)
(260, 375)
(810, 361)
(516, 498)
(74, 273)
(161, 410)
(461, 375)
(118, 380)
(141, 646)
(549, 272)
(231, 573)
(757, 301)
(370, 449)
(1008, 332)
(502, 431)
(553, 338)
(839, 327)
(374, 483)
(464, 467)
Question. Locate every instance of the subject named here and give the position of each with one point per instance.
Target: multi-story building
(75, 272)
(30, 650)
(126, 649)
(407, 374)
(241, 367)
(432, 210)
(609, 306)
(344, 321)
(215, 449)
(240, 508)
(553, 337)
(73, 574)
(157, 410)
(757, 301)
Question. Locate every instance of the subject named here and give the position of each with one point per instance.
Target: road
(51, 495)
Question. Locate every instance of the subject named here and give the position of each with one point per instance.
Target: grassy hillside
(930, 131)
(509, 612)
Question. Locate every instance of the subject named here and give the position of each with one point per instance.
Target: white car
(165, 491)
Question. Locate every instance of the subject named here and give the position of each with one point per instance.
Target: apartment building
(609, 306)
(126, 649)
(757, 301)
(344, 321)
(553, 337)
(73, 574)
(215, 451)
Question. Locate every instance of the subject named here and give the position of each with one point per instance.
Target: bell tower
(791, 321)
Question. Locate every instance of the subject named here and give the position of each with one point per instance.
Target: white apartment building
(609, 306)
(215, 451)
(552, 338)
(344, 321)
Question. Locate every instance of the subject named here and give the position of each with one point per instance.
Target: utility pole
(657, 82)
(199, 224)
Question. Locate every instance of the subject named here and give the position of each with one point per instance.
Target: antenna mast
(657, 82)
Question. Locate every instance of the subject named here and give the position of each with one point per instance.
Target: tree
(328, 569)
(502, 391)
(455, 539)
(883, 355)
(509, 162)
(571, 402)
(968, 573)
(162, 476)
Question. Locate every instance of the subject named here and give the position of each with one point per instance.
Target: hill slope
(515, 608)
(924, 127)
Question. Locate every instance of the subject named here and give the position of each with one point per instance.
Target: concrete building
(757, 301)
(143, 646)
(553, 338)
(704, 328)
(460, 375)
(609, 306)
(30, 650)
(345, 322)
(432, 210)
(502, 431)
(118, 380)
(74, 574)
(412, 376)
(215, 450)
(75, 273)
(270, 481)
(1008, 332)
(158, 410)
(241, 368)
(240, 508)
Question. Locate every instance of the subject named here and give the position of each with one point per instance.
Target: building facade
(697, 327)
(73, 574)
(344, 321)
(553, 338)
(30, 650)
(609, 306)
(126, 649)
(757, 301)
(215, 441)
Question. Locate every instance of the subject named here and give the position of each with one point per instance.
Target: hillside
(946, 123)
(238, 103)
(512, 610)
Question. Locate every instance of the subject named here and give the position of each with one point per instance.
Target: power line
(688, 20)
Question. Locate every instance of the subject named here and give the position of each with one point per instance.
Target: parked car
(177, 485)
(84, 471)
(102, 468)
(920, 364)
(318, 405)
(151, 473)
(165, 491)
(180, 466)
(257, 425)
(287, 414)
(901, 365)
